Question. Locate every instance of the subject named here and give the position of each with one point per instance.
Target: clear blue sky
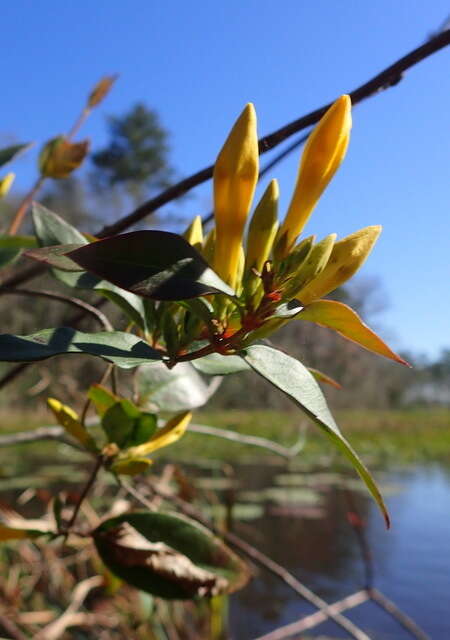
(198, 63)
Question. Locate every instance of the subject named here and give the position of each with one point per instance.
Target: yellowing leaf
(341, 318)
(171, 432)
(68, 419)
(60, 157)
(323, 377)
(130, 466)
(11, 533)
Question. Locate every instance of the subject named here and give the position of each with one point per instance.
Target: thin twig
(42, 433)
(255, 441)
(314, 619)
(87, 488)
(258, 557)
(75, 302)
(10, 627)
(404, 620)
(55, 629)
(24, 206)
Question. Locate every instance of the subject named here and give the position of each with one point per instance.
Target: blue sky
(198, 62)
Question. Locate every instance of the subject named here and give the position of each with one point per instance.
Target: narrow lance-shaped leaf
(292, 378)
(324, 378)
(7, 154)
(68, 419)
(52, 230)
(341, 318)
(153, 264)
(123, 349)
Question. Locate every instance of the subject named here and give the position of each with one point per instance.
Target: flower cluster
(272, 266)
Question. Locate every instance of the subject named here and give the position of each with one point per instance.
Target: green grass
(382, 438)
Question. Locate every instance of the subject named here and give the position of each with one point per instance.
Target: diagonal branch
(387, 78)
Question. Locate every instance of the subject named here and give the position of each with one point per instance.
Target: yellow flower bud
(194, 233)
(235, 177)
(209, 245)
(60, 157)
(5, 184)
(101, 90)
(321, 158)
(263, 228)
(346, 258)
(314, 264)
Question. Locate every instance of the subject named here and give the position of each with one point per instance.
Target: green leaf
(126, 425)
(169, 556)
(7, 154)
(293, 379)
(102, 398)
(153, 264)
(123, 349)
(175, 389)
(215, 364)
(52, 230)
(11, 247)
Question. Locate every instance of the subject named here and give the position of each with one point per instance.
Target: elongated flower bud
(194, 233)
(321, 158)
(5, 184)
(346, 258)
(263, 228)
(235, 177)
(209, 245)
(315, 263)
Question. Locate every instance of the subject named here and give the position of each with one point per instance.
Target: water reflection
(412, 561)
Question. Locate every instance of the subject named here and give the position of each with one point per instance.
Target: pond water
(303, 526)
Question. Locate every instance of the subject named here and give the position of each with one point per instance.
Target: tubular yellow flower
(194, 233)
(5, 184)
(263, 228)
(346, 258)
(321, 158)
(235, 177)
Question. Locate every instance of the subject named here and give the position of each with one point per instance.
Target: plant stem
(87, 488)
(24, 206)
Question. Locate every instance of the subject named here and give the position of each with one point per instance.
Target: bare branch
(387, 78)
(55, 629)
(308, 622)
(42, 433)
(255, 441)
(405, 621)
(75, 302)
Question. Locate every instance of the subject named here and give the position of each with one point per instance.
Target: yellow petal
(194, 233)
(347, 257)
(171, 432)
(68, 419)
(235, 177)
(323, 153)
(263, 228)
(5, 184)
